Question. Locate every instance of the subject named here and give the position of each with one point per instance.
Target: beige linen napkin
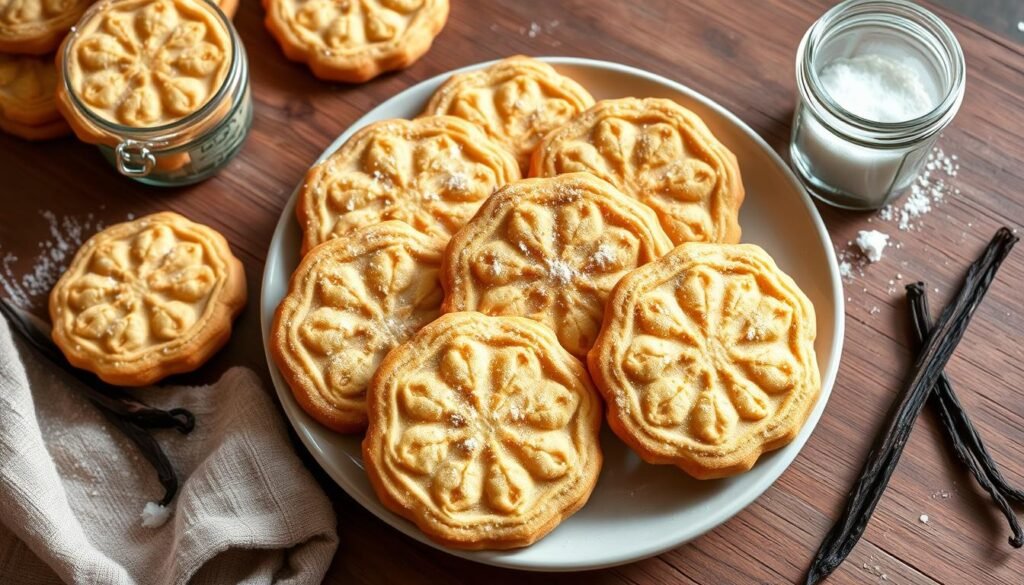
(72, 487)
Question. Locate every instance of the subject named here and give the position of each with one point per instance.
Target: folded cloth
(73, 487)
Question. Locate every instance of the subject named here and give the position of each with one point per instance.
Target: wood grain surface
(741, 54)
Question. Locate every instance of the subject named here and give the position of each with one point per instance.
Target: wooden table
(741, 54)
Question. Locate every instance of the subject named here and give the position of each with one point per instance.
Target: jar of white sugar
(878, 81)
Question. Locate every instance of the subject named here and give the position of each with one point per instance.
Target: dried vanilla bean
(964, 437)
(931, 360)
(128, 414)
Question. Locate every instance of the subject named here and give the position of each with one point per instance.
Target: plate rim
(780, 460)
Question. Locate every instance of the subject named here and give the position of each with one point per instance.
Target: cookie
(432, 173)
(483, 431)
(551, 250)
(660, 153)
(27, 105)
(143, 64)
(706, 359)
(36, 27)
(355, 40)
(352, 300)
(517, 101)
(228, 7)
(147, 298)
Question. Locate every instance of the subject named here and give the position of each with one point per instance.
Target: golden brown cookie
(143, 63)
(706, 359)
(36, 27)
(551, 250)
(355, 40)
(483, 431)
(147, 298)
(228, 7)
(27, 105)
(660, 153)
(432, 173)
(352, 300)
(517, 101)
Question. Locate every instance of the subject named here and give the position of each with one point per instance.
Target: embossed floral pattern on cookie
(350, 302)
(430, 173)
(551, 250)
(355, 40)
(707, 358)
(517, 101)
(37, 26)
(483, 431)
(147, 63)
(147, 298)
(659, 153)
(27, 105)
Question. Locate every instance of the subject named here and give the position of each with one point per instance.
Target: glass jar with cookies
(160, 86)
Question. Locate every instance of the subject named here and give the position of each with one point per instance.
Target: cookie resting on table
(147, 298)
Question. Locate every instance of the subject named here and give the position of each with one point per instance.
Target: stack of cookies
(31, 32)
(472, 322)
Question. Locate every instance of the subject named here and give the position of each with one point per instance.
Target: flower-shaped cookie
(658, 152)
(27, 105)
(146, 63)
(148, 298)
(352, 300)
(551, 250)
(431, 173)
(35, 27)
(517, 101)
(707, 358)
(483, 431)
(355, 40)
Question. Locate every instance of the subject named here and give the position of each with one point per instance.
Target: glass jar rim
(165, 132)
(913, 19)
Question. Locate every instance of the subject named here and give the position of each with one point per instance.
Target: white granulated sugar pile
(66, 235)
(872, 244)
(154, 515)
(845, 269)
(877, 88)
(929, 189)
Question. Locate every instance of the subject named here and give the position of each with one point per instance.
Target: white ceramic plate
(637, 510)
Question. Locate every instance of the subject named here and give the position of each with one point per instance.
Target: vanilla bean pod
(966, 441)
(932, 359)
(128, 414)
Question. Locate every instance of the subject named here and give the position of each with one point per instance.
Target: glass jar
(183, 151)
(850, 161)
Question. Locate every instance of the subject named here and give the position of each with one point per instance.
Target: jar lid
(152, 65)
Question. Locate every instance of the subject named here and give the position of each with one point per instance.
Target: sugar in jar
(878, 80)
(161, 86)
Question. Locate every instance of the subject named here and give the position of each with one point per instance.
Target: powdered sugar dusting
(66, 234)
(560, 270)
(456, 182)
(604, 256)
